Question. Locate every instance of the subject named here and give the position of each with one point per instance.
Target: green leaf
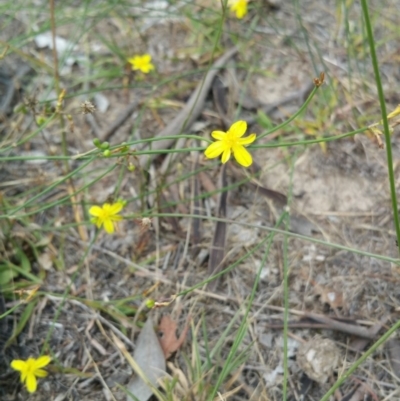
(26, 274)
(23, 320)
(25, 264)
(6, 274)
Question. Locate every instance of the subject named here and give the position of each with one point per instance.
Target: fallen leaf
(150, 360)
(170, 343)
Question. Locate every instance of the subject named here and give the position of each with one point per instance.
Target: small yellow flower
(31, 369)
(239, 7)
(106, 215)
(232, 142)
(142, 63)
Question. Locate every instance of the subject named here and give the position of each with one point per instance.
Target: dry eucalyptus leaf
(149, 357)
(170, 343)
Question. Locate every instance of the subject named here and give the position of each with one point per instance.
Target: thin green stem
(375, 64)
(11, 310)
(295, 115)
(276, 230)
(27, 139)
(85, 156)
(48, 189)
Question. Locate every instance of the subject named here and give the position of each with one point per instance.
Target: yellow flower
(232, 141)
(106, 215)
(142, 63)
(240, 7)
(31, 369)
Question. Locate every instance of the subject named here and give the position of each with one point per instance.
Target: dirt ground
(340, 200)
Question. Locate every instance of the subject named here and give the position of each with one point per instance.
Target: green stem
(295, 115)
(87, 155)
(48, 189)
(277, 230)
(26, 139)
(374, 59)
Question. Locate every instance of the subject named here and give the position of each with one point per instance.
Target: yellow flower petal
(238, 129)
(107, 208)
(146, 58)
(116, 208)
(214, 150)
(42, 361)
(146, 68)
(31, 383)
(226, 155)
(96, 211)
(41, 373)
(24, 374)
(248, 140)
(109, 226)
(19, 365)
(242, 156)
(219, 135)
